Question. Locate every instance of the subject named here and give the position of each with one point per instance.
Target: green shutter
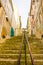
(12, 32)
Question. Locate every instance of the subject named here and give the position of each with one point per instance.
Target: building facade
(4, 24)
(39, 21)
(35, 16)
(12, 14)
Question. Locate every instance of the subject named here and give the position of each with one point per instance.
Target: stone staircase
(10, 49)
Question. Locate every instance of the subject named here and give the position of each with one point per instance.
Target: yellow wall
(4, 31)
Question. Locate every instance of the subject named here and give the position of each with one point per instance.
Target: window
(37, 0)
(42, 10)
(33, 1)
(0, 5)
(7, 19)
(32, 16)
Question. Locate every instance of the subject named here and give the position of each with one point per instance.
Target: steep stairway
(10, 50)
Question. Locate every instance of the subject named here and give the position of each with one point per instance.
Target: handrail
(25, 48)
(32, 60)
(18, 62)
(24, 41)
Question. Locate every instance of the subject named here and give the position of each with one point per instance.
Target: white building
(12, 14)
(4, 24)
(35, 4)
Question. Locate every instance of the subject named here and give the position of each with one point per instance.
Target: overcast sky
(23, 8)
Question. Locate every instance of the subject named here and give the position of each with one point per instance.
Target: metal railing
(18, 62)
(29, 49)
(25, 41)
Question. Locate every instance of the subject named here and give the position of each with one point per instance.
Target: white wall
(7, 7)
(2, 19)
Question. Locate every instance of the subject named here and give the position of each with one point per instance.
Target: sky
(23, 10)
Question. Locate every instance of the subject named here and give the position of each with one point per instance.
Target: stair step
(18, 51)
(14, 62)
(15, 56)
(9, 52)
